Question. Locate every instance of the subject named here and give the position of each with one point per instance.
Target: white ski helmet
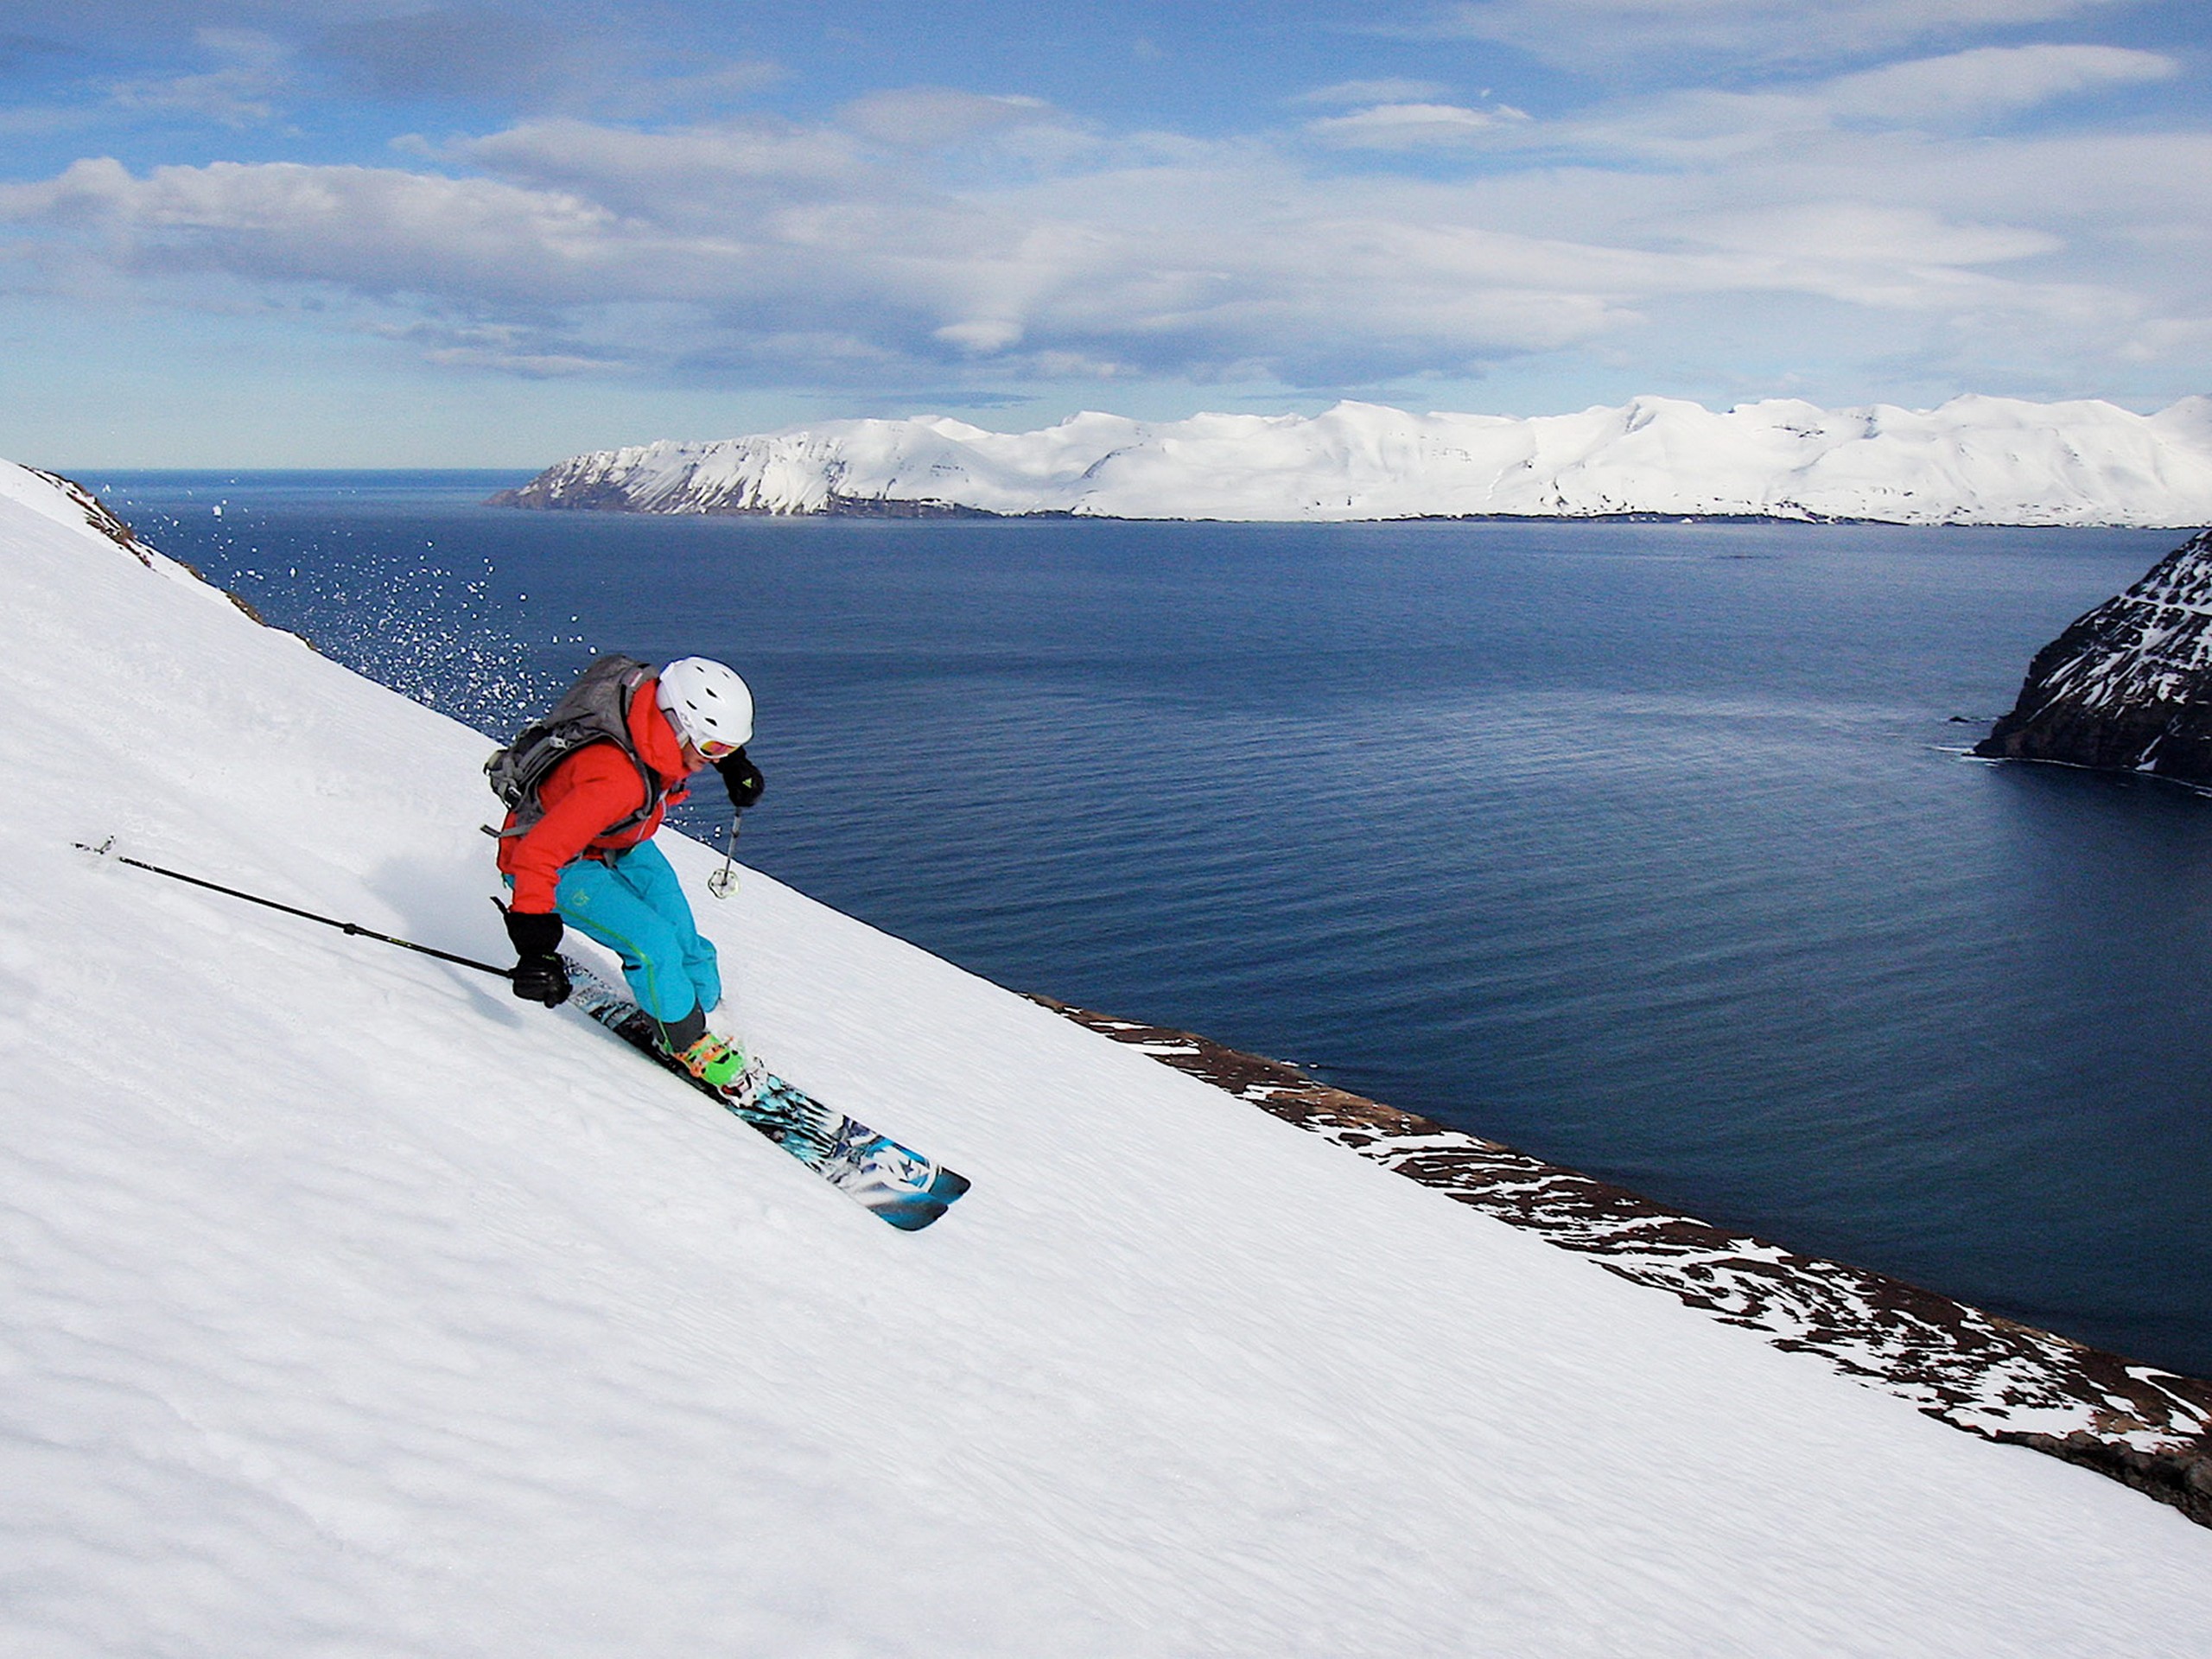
(706, 703)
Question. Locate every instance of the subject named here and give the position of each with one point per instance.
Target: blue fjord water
(1647, 847)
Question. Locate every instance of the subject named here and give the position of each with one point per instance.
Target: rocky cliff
(2128, 687)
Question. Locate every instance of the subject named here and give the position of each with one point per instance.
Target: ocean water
(1650, 849)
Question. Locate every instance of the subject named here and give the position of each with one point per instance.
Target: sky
(359, 233)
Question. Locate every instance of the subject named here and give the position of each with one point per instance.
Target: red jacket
(587, 795)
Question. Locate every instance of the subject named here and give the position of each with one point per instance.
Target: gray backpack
(595, 709)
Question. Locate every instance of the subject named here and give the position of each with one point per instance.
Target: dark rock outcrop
(545, 491)
(2128, 687)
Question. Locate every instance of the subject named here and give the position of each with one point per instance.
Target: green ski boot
(723, 1066)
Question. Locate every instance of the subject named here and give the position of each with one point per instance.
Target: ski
(896, 1182)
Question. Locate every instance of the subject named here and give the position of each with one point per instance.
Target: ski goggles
(713, 748)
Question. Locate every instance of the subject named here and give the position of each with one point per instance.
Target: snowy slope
(355, 1308)
(1981, 460)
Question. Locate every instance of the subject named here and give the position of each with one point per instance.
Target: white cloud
(1861, 234)
(500, 348)
(1374, 92)
(699, 173)
(244, 92)
(892, 246)
(375, 231)
(1975, 89)
(532, 366)
(981, 337)
(1170, 271)
(697, 91)
(2161, 340)
(1410, 126)
(927, 117)
(1988, 81)
(1653, 39)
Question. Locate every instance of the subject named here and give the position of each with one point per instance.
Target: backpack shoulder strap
(595, 709)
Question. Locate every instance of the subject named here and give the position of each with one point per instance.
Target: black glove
(539, 975)
(742, 778)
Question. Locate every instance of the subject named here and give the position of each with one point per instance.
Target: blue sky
(361, 233)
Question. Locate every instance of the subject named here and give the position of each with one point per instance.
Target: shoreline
(2146, 1427)
(907, 509)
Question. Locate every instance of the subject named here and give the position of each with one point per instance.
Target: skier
(577, 844)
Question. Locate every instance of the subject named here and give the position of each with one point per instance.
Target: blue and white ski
(898, 1184)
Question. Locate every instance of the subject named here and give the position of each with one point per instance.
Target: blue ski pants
(633, 905)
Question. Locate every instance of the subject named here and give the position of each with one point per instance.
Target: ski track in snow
(356, 1308)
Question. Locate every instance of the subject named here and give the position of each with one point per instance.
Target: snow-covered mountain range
(1974, 461)
(354, 1307)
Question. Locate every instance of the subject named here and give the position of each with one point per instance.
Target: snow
(356, 1308)
(1982, 1373)
(1975, 459)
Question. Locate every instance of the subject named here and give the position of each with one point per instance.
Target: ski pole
(101, 851)
(723, 879)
